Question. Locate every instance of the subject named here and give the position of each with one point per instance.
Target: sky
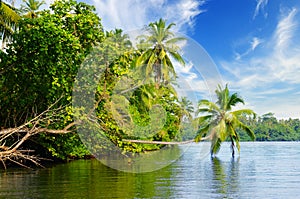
(254, 44)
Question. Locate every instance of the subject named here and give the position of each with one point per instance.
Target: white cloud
(285, 29)
(254, 43)
(133, 14)
(274, 91)
(261, 4)
(270, 77)
(184, 12)
(280, 60)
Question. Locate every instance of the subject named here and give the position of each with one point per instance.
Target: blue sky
(255, 44)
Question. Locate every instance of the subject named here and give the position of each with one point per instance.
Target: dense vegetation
(41, 54)
(38, 68)
(268, 128)
(265, 127)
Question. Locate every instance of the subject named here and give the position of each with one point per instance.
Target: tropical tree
(8, 21)
(157, 49)
(31, 7)
(40, 67)
(219, 122)
(186, 107)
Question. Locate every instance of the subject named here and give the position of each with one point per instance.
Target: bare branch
(39, 124)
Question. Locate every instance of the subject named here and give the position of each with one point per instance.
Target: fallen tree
(13, 151)
(165, 143)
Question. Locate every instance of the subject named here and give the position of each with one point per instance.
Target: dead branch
(39, 124)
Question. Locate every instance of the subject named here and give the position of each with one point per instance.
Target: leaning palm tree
(157, 48)
(8, 21)
(31, 7)
(220, 123)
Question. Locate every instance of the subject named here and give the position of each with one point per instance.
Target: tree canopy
(9, 18)
(38, 70)
(157, 47)
(220, 122)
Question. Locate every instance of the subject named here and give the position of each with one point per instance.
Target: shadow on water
(225, 177)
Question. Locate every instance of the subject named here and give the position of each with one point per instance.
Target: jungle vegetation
(42, 51)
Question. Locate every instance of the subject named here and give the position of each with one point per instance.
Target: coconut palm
(220, 123)
(8, 21)
(157, 48)
(186, 107)
(31, 7)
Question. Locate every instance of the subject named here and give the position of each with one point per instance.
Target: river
(262, 170)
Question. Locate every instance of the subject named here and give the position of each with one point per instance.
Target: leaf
(222, 130)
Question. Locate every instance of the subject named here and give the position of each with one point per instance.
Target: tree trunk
(13, 152)
(232, 146)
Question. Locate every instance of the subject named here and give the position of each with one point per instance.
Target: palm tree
(31, 7)
(157, 48)
(143, 97)
(219, 122)
(186, 107)
(8, 21)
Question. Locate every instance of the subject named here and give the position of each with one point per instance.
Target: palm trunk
(232, 146)
(158, 73)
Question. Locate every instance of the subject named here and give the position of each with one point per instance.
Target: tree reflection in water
(225, 179)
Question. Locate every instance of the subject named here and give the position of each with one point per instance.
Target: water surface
(263, 170)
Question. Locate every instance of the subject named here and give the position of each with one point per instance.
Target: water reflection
(225, 177)
(267, 174)
(85, 179)
(144, 162)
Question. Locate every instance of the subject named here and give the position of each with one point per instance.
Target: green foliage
(31, 7)
(220, 123)
(134, 113)
(63, 146)
(157, 48)
(268, 128)
(47, 51)
(8, 22)
(40, 66)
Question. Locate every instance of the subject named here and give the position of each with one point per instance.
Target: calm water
(263, 170)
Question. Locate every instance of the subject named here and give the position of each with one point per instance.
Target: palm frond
(247, 112)
(235, 136)
(202, 104)
(246, 128)
(9, 19)
(168, 68)
(215, 145)
(206, 111)
(160, 38)
(177, 57)
(222, 130)
(202, 131)
(175, 40)
(206, 119)
(233, 100)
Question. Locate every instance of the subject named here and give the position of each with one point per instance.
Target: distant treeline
(268, 128)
